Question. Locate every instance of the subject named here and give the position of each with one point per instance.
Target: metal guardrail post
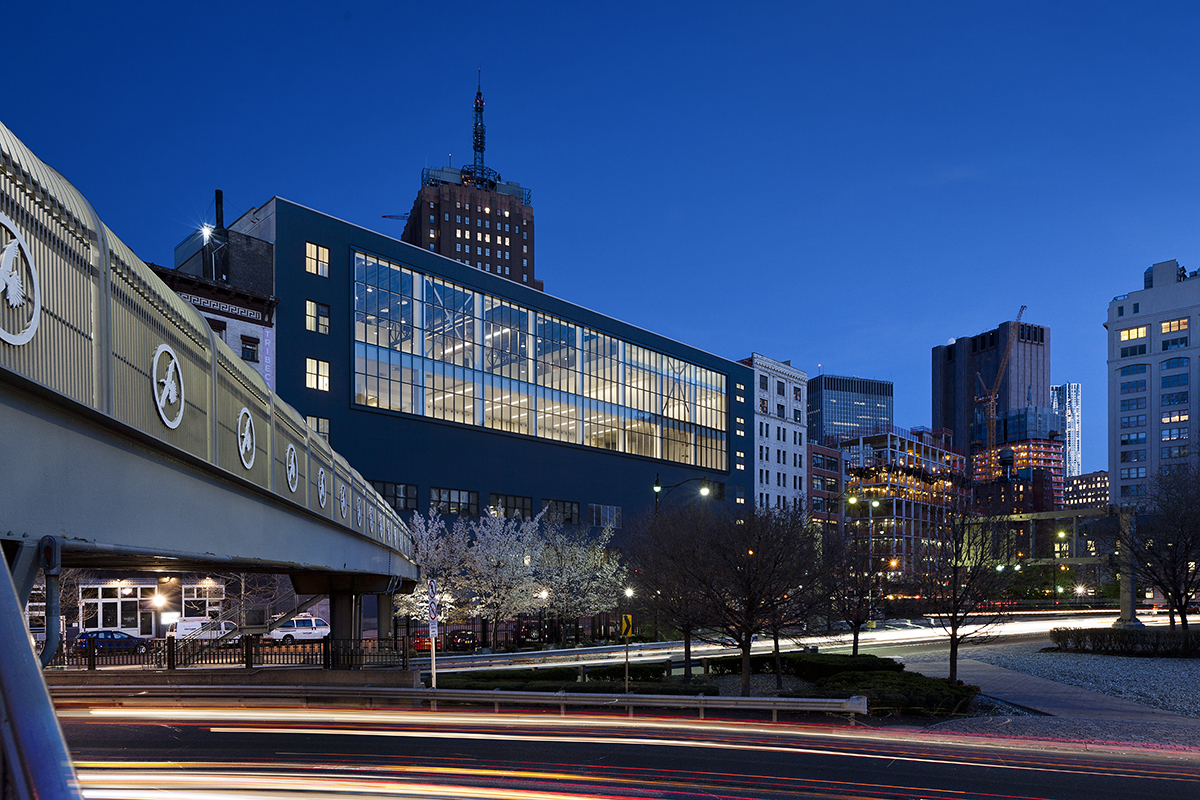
(170, 652)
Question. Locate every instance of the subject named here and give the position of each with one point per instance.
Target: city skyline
(845, 187)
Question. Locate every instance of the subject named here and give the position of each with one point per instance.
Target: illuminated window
(320, 425)
(316, 259)
(316, 374)
(454, 501)
(1169, 417)
(1133, 333)
(316, 316)
(1174, 325)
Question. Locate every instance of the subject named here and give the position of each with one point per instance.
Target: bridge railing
(95, 325)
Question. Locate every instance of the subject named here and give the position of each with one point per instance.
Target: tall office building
(841, 407)
(1149, 358)
(1067, 399)
(472, 215)
(964, 367)
(780, 475)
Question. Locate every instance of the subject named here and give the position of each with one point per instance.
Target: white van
(188, 626)
(302, 627)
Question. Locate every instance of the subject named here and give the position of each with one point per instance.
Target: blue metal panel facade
(416, 450)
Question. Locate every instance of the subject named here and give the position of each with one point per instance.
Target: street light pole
(661, 491)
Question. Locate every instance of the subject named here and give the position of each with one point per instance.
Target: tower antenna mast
(479, 131)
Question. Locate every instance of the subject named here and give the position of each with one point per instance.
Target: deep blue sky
(845, 184)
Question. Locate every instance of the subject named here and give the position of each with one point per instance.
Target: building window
(604, 516)
(779, 410)
(1180, 379)
(1136, 369)
(316, 374)
(1135, 307)
(400, 496)
(1120, 311)
(510, 506)
(1135, 350)
(316, 317)
(1171, 363)
(1134, 404)
(1170, 417)
(454, 501)
(1128, 334)
(1167, 434)
(250, 349)
(1174, 344)
(218, 327)
(1131, 387)
(1175, 451)
(316, 259)
(1132, 456)
(1137, 438)
(1135, 472)
(762, 405)
(320, 425)
(779, 388)
(796, 415)
(1175, 399)
(1171, 326)
(1133, 490)
(1134, 421)
(762, 382)
(563, 511)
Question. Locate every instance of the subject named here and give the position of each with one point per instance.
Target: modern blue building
(452, 387)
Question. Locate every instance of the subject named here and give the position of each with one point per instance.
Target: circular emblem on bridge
(322, 495)
(20, 288)
(371, 519)
(166, 380)
(293, 470)
(358, 511)
(245, 437)
(343, 502)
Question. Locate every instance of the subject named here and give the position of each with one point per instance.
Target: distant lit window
(316, 374)
(1171, 326)
(320, 425)
(316, 316)
(316, 259)
(1133, 333)
(249, 349)
(454, 501)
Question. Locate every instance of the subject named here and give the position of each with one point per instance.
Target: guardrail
(136, 695)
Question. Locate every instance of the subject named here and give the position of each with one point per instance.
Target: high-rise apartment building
(918, 478)
(473, 216)
(780, 400)
(964, 368)
(840, 407)
(1150, 355)
(1066, 398)
(1089, 490)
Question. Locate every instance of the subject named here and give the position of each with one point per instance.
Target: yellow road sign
(627, 624)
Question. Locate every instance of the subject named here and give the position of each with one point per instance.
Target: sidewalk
(1048, 697)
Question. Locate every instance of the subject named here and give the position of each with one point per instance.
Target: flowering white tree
(443, 555)
(580, 574)
(500, 569)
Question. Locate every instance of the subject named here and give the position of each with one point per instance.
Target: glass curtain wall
(429, 347)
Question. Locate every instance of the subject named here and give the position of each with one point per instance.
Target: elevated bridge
(138, 439)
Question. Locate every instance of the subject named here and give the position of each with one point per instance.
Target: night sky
(843, 184)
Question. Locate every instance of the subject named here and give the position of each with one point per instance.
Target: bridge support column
(345, 615)
(385, 615)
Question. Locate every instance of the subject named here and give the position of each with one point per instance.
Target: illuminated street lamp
(661, 491)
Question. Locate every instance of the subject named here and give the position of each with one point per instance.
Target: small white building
(779, 474)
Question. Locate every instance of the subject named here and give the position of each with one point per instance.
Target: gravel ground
(1166, 683)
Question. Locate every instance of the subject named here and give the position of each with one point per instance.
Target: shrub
(1128, 642)
(732, 665)
(890, 691)
(813, 667)
(637, 672)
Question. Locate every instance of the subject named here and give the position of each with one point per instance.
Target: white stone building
(779, 473)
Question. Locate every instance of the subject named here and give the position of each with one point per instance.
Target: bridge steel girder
(119, 500)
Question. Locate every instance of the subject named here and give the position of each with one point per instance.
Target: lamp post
(661, 491)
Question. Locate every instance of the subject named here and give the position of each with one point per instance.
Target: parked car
(112, 642)
(420, 641)
(463, 640)
(202, 628)
(302, 627)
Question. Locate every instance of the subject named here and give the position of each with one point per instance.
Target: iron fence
(247, 651)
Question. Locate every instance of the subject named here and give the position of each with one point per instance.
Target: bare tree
(1165, 543)
(853, 572)
(670, 560)
(964, 583)
(760, 561)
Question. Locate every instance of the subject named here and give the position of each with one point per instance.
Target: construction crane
(988, 398)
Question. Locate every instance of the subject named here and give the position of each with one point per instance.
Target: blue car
(111, 642)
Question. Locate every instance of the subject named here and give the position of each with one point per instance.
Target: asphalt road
(276, 752)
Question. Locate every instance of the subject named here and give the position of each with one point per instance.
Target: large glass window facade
(429, 347)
